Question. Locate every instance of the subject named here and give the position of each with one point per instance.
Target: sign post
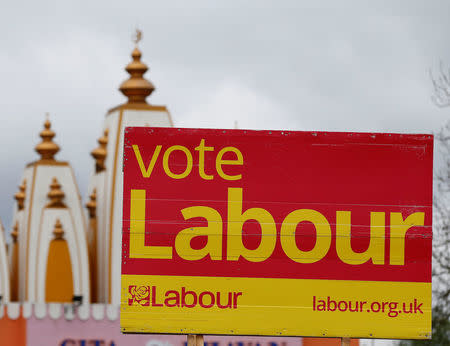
(236, 232)
(345, 342)
(195, 340)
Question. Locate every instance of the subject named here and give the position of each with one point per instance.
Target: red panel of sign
(262, 205)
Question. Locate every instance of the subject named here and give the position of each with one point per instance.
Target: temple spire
(58, 231)
(15, 232)
(20, 195)
(47, 148)
(55, 195)
(137, 88)
(92, 204)
(99, 153)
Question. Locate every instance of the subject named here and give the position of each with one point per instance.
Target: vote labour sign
(276, 233)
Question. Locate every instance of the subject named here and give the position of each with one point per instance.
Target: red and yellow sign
(277, 233)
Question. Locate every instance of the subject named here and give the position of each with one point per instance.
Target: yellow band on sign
(250, 306)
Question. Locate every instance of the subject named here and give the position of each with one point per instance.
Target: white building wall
(39, 177)
(22, 219)
(111, 198)
(4, 271)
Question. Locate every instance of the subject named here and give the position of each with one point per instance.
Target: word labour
(181, 298)
(270, 235)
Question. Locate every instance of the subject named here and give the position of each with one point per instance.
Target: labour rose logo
(139, 295)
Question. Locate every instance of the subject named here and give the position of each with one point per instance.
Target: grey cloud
(353, 65)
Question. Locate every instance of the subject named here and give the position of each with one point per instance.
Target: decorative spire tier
(137, 88)
(55, 195)
(20, 195)
(15, 232)
(58, 231)
(99, 153)
(92, 204)
(47, 148)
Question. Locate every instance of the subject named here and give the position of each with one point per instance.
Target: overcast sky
(341, 66)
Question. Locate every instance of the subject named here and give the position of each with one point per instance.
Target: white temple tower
(106, 182)
(48, 257)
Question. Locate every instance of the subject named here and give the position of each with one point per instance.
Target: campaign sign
(276, 233)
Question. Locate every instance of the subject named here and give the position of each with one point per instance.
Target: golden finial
(47, 148)
(55, 195)
(20, 195)
(15, 232)
(58, 232)
(137, 37)
(92, 204)
(99, 153)
(136, 88)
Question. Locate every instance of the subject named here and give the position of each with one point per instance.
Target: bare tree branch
(441, 87)
(441, 208)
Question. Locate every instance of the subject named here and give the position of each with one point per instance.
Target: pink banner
(61, 332)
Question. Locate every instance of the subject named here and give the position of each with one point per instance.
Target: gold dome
(58, 232)
(137, 88)
(55, 195)
(92, 204)
(20, 195)
(47, 148)
(99, 153)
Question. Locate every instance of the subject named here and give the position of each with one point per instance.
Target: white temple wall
(43, 178)
(4, 272)
(111, 123)
(22, 218)
(116, 122)
(98, 182)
